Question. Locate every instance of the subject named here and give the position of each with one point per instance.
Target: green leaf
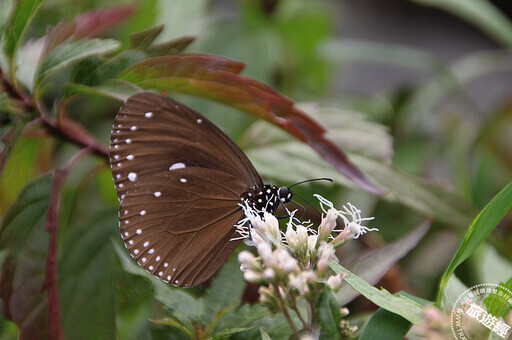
(399, 304)
(95, 71)
(231, 331)
(264, 335)
(498, 305)
(20, 19)
(479, 230)
(70, 52)
(481, 13)
(373, 265)
(116, 89)
(142, 40)
(386, 325)
(183, 306)
(329, 314)
(87, 268)
(226, 290)
(25, 242)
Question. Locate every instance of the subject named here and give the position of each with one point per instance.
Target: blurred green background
(418, 93)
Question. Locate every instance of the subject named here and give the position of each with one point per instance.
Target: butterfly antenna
(303, 208)
(312, 180)
(311, 205)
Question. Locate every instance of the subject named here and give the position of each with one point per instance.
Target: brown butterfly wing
(179, 179)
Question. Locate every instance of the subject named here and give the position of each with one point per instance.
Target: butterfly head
(284, 194)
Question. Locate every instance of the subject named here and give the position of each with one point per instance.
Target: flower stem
(285, 312)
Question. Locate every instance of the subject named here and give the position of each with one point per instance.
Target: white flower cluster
(296, 261)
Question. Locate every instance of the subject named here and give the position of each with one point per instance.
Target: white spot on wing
(130, 242)
(143, 260)
(116, 156)
(143, 212)
(116, 146)
(146, 244)
(150, 267)
(166, 264)
(183, 180)
(157, 194)
(132, 176)
(126, 233)
(160, 273)
(135, 251)
(118, 176)
(133, 128)
(177, 166)
(157, 258)
(128, 141)
(199, 121)
(129, 157)
(148, 114)
(151, 251)
(139, 231)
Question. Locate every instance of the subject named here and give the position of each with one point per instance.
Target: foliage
(402, 155)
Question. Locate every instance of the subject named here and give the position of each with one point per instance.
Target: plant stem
(285, 312)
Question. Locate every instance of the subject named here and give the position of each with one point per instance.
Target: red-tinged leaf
(25, 243)
(170, 47)
(94, 23)
(218, 79)
(144, 39)
(87, 25)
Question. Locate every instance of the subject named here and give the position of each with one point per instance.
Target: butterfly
(180, 182)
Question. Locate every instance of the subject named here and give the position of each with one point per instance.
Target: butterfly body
(180, 180)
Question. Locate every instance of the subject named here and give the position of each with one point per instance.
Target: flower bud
(287, 263)
(248, 261)
(312, 244)
(302, 235)
(253, 277)
(266, 254)
(291, 238)
(344, 312)
(272, 230)
(334, 281)
(269, 274)
(326, 254)
(328, 224)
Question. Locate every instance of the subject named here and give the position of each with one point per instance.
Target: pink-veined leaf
(218, 79)
(87, 25)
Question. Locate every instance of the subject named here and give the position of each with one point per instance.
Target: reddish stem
(50, 280)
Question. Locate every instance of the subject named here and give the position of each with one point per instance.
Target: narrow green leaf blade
(70, 52)
(25, 243)
(399, 304)
(479, 230)
(264, 335)
(386, 325)
(21, 17)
